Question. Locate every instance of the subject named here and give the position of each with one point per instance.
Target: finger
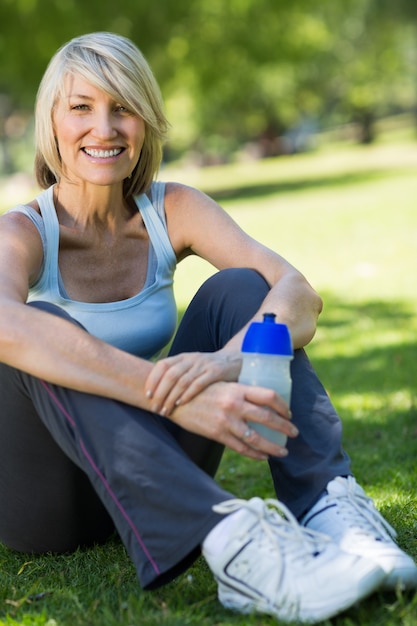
(248, 437)
(173, 385)
(268, 397)
(181, 383)
(270, 419)
(255, 446)
(183, 375)
(256, 441)
(196, 381)
(241, 447)
(193, 386)
(155, 376)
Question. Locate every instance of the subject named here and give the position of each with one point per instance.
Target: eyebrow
(79, 95)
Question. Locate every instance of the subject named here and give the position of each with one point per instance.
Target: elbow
(317, 304)
(306, 324)
(310, 326)
(313, 301)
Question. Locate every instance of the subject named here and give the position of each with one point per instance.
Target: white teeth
(103, 154)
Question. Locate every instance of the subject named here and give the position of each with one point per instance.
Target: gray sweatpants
(74, 466)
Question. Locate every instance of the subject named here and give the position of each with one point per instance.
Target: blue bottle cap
(268, 337)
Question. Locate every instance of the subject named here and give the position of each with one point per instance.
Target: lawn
(344, 215)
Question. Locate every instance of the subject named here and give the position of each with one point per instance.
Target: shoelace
(278, 522)
(363, 506)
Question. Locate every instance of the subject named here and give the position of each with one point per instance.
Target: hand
(222, 410)
(178, 379)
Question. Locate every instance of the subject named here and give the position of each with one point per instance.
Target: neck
(84, 205)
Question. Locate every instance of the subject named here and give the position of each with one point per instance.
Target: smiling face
(99, 139)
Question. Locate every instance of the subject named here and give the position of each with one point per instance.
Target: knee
(239, 288)
(228, 300)
(237, 281)
(48, 307)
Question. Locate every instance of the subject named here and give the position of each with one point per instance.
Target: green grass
(346, 217)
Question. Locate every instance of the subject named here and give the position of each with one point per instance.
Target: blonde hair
(113, 64)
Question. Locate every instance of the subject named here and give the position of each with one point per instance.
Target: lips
(102, 154)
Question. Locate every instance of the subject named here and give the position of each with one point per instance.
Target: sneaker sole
(404, 579)
(372, 579)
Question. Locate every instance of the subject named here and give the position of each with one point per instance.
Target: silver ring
(248, 433)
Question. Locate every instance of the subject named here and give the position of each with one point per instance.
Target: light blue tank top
(142, 324)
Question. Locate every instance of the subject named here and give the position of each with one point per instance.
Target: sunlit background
(242, 79)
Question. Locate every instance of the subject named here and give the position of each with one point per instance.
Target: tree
(256, 68)
(236, 71)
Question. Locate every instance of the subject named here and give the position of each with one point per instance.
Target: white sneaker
(351, 519)
(273, 565)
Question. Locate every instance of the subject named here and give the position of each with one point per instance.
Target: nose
(104, 125)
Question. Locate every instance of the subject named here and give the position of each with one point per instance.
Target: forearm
(295, 303)
(60, 352)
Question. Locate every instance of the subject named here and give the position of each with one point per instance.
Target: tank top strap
(45, 201)
(158, 198)
(153, 215)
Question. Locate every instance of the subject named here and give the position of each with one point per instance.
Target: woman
(93, 431)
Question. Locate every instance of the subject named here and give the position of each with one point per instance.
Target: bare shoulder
(188, 211)
(17, 220)
(180, 196)
(19, 236)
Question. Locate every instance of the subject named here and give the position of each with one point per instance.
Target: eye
(120, 108)
(79, 107)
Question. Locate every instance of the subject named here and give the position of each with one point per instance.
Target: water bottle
(266, 355)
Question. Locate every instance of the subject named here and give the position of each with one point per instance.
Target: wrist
(233, 363)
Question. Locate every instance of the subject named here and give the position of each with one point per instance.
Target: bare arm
(50, 347)
(197, 225)
(60, 352)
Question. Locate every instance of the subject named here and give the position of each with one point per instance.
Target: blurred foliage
(242, 72)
